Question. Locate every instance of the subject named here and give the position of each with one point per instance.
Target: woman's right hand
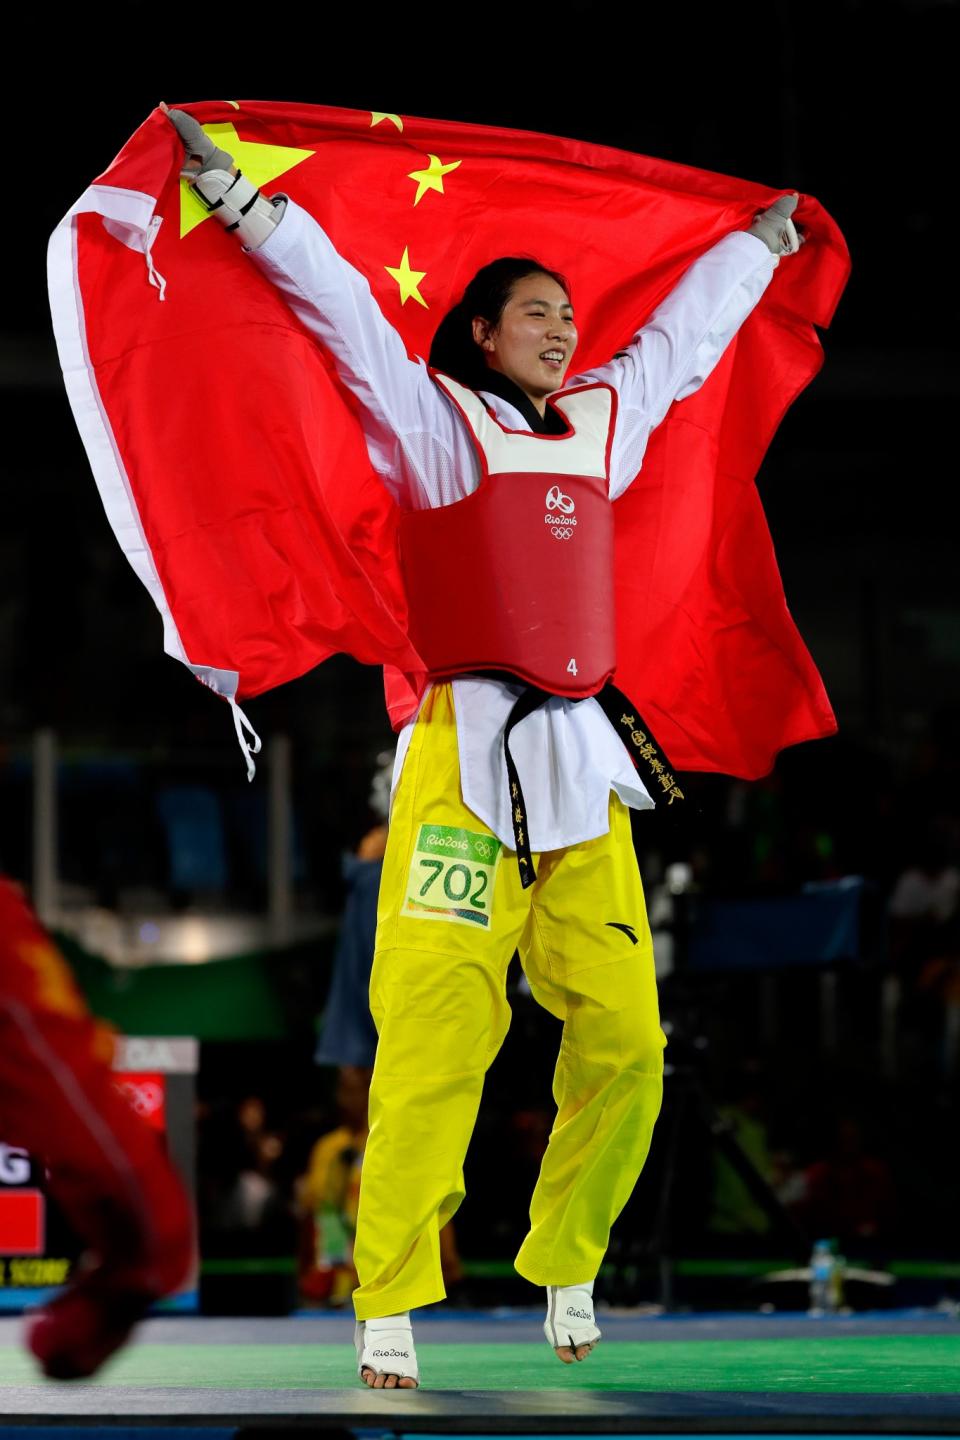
(220, 186)
(200, 152)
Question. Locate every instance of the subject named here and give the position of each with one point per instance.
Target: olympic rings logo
(145, 1096)
(483, 848)
(556, 500)
(559, 534)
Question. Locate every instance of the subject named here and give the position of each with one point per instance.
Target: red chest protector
(518, 576)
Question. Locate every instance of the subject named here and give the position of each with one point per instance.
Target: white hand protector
(775, 228)
(234, 200)
(570, 1320)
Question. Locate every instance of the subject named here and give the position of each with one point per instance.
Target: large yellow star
(377, 115)
(259, 163)
(408, 280)
(432, 177)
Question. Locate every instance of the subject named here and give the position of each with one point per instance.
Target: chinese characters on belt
(648, 751)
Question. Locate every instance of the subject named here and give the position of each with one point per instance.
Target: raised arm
(678, 347)
(415, 440)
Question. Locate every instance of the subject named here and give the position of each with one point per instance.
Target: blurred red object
(108, 1170)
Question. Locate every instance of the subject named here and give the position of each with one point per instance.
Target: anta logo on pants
(628, 930)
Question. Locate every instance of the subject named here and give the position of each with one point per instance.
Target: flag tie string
(241, 723)
(153, 274)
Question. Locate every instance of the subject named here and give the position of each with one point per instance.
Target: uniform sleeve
(414, 437)
(672, 355)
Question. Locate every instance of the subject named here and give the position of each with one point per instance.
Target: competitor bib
(452, 876)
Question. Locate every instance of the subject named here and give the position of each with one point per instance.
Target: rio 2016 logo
(560, 516)
(556, 500)
(446, 842)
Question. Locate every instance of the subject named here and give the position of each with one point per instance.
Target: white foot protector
(386, 1347)
(570, 1320)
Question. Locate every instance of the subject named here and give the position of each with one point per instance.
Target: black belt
(648, 759)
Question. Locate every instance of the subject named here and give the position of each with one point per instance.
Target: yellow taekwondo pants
(452, 912)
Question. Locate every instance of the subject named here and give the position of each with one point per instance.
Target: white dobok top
(567, 753)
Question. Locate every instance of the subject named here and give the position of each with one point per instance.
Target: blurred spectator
(925, 901)
(329, 1195)
(924, 913)
(348, 1035)
(255, 1198)
(734, 1210)
(240, 1159)
(849, 1192)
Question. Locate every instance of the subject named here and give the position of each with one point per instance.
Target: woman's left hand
(776, 229)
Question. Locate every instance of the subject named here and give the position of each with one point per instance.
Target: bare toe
(565, 1353)
(408, 1383)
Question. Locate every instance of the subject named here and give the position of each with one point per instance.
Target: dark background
(852, 102)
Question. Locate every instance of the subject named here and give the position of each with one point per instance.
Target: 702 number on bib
(452, 875)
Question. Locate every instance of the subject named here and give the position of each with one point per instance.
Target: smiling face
(533, 341)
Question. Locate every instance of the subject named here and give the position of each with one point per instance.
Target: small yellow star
(432, 177)
(377, 115)
(259, 163)
(408, 280)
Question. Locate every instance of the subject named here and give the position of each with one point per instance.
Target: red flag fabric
(231, 461)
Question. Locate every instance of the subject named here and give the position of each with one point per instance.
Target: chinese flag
(231, 462)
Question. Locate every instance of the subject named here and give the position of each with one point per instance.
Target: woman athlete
(462, 447)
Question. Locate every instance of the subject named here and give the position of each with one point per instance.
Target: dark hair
(454, 350)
